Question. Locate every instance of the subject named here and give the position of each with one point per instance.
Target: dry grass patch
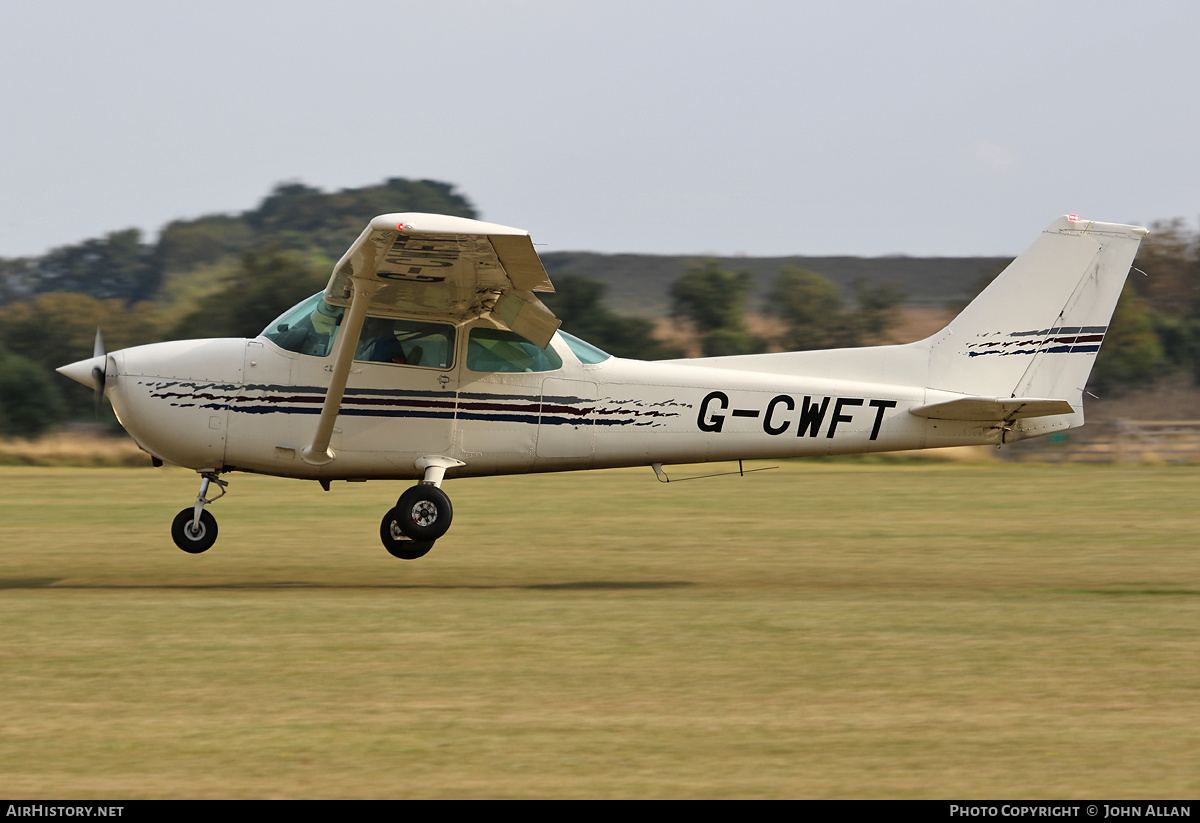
(72, 449)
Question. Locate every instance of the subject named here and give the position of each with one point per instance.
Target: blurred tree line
(1155, 331)
(230, 275)
(811, 309)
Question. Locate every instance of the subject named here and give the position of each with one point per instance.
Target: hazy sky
(764, 128)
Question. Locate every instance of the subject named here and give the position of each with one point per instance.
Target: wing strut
(319, 453)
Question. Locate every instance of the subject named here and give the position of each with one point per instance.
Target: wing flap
(524, 314)
(998, 409)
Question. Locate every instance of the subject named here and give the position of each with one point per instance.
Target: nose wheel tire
(193, 538)
(397, 542)
(423, 512)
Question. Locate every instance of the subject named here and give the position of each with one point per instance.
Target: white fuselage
(235, 404)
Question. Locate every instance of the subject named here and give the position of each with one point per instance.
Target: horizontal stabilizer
(993, 408)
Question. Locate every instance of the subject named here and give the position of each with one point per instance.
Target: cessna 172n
(429, 356)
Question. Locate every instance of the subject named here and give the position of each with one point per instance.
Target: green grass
(831, 630)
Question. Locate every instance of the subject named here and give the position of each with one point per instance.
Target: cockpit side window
(311, 327)
(407, 342)
(498, 350)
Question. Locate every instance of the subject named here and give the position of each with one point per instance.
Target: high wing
(449, 269)
(432, 266)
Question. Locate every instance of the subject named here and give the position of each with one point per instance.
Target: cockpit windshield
(309, 327)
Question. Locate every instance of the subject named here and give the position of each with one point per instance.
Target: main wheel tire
(424, 512)
(396, 542)
(199, 540)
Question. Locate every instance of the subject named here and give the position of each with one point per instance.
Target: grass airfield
(823, 630)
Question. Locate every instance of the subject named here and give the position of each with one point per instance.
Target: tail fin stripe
(1039, 343)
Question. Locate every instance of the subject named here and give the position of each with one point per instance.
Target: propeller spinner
(90, 372)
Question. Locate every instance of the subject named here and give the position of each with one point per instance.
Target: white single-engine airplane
(428, 356)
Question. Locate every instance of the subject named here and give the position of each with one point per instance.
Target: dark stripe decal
(551, 410)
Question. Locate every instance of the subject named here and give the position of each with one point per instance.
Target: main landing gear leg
(421, 515)
(194, 529)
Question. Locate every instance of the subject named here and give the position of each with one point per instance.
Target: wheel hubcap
(424, 513)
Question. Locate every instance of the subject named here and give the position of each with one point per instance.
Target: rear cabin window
(498, 350)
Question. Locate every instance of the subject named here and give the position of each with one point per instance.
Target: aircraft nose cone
(81, 371)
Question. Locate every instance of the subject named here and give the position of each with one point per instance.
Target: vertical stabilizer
(1035, 330)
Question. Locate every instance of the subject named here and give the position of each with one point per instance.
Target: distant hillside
(639, 284)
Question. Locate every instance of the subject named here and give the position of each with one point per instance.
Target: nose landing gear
(195, 530)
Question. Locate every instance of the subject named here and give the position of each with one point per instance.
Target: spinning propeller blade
(98, 371)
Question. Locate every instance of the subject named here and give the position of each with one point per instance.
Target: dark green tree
(713, 300)
(30, 400)
(117, 266)
(1167, 272)
(816, 317)
(812, 309)
(298, 217)
(259, 290)
(878, 310)
(1179, 338)
(59, 328)
(1156, 327)
(1132, 352)
(55, 329)
(185, 244)
(18, 279)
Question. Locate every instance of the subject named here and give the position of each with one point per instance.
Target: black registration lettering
(776, 402)
(880, 407)
(838, 417)
(811, 416)
(413, 275)
(710, 421)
